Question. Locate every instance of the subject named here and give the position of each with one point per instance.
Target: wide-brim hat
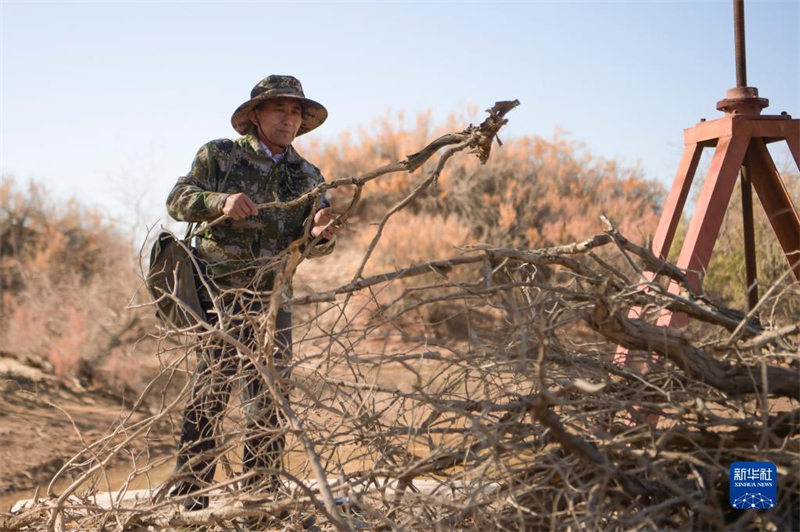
(276, 86)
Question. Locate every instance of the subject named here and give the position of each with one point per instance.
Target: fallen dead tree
(479, 392)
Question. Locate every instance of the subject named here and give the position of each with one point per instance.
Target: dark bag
(172, 275)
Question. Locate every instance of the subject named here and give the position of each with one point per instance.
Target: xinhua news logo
(753, 485)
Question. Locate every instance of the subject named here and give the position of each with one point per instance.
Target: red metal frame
(739, 139)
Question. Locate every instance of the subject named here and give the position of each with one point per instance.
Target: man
(241, 258)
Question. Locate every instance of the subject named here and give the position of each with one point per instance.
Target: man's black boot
(191, 503)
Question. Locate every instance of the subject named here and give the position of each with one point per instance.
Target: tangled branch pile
(479, 392)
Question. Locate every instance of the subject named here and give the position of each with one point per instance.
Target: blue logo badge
(753, 485)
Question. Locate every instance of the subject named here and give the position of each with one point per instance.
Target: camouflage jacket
(239, 253)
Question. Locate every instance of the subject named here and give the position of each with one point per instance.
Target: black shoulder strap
(189, 228)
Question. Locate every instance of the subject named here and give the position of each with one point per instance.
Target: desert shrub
(67, 276)
(41, 238)
(539, 192)
(534, 192)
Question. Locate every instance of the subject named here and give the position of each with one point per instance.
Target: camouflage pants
(219, 369)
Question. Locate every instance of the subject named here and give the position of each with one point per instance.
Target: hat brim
(314, 113)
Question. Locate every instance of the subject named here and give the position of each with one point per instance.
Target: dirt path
(45, 421)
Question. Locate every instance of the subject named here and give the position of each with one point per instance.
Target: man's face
(277, 122)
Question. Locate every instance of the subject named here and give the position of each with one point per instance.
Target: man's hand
(326, 223)
(239, 206)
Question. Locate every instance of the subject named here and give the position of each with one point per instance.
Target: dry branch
(733, 379)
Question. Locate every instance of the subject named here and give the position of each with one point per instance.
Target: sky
(108, 102)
